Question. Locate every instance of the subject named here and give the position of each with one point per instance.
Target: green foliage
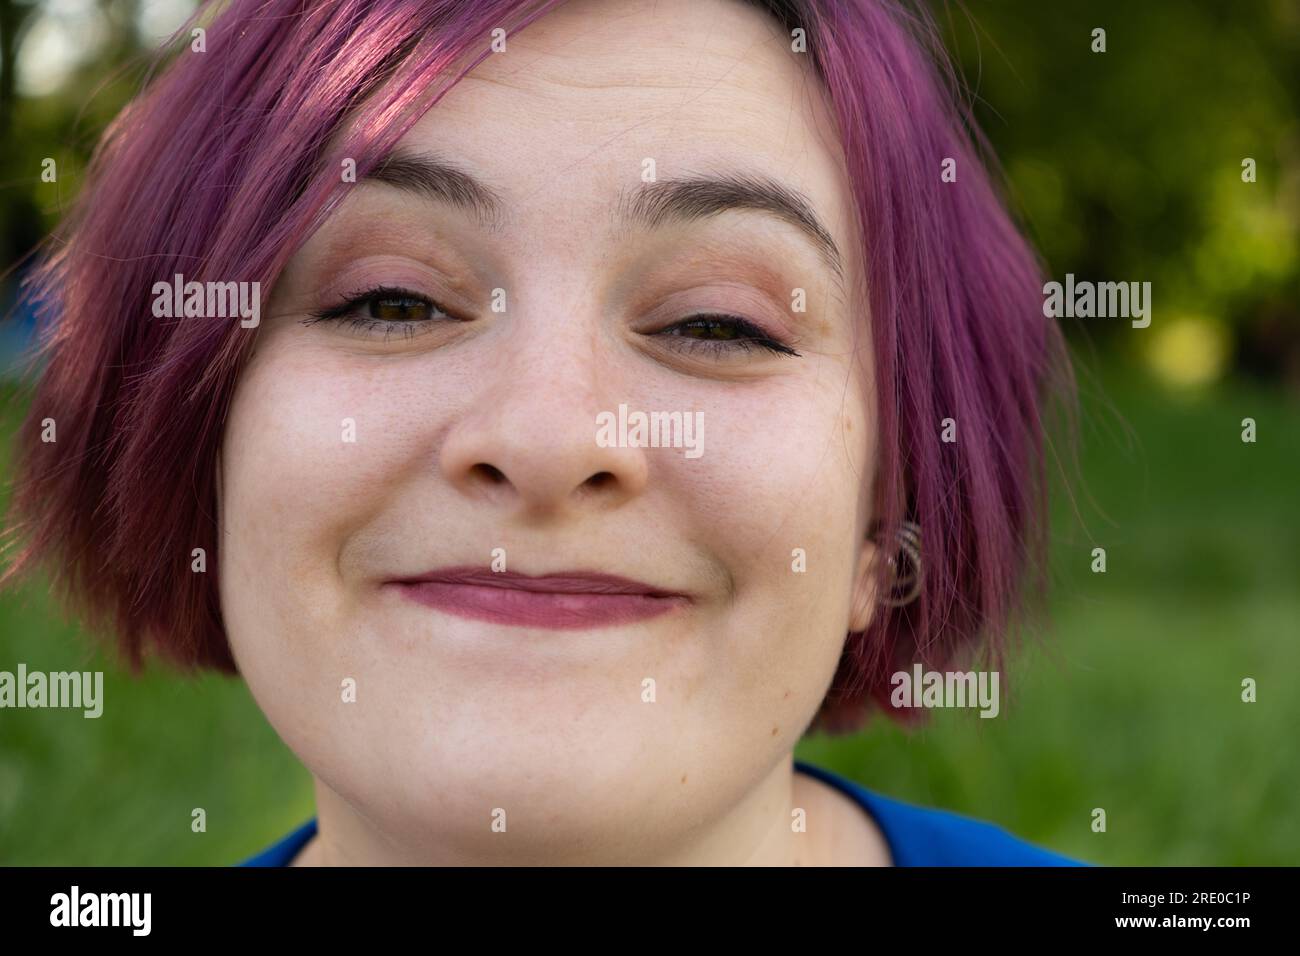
(1127, 164)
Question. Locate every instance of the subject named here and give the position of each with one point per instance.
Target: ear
(863, 604)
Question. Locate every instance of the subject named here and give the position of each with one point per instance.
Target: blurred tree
(1127, 163)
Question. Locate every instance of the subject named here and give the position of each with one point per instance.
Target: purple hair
(230, 159)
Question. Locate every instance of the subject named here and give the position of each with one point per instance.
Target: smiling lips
(567, 601)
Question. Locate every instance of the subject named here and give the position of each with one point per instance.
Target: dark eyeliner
(351, 302)
(348, 313)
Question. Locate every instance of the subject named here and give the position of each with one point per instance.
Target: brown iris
(398, 309)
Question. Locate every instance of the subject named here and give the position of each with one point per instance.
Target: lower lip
(548, 609)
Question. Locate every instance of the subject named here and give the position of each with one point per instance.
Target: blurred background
(1126, 166)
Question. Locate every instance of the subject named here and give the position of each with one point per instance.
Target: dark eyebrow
(686, 199)
(438, 179)
(699, 197)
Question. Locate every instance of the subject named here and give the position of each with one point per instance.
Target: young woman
(552, 411)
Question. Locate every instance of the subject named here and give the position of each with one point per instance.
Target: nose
(528, 442)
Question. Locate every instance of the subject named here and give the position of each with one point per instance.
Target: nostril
(490, 472)
(599, 479)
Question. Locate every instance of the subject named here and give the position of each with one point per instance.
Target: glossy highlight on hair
(229, 160)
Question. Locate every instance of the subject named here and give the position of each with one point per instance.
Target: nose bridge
(556, 368)
(530, 439)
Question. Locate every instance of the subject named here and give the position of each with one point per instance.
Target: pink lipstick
(568, 600)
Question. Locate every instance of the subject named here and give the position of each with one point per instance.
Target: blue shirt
(917, 836)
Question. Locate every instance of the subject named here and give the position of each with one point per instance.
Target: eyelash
(344, 312)
(750, 335)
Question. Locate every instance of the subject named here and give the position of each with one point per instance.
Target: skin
(457, 719)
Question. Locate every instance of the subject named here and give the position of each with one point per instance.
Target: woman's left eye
(722, 333)
(383, 309)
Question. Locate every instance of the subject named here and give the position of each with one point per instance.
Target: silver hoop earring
(906, 582)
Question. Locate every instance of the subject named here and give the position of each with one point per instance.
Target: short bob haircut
(227, 161)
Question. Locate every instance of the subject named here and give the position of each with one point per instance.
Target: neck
(761, 828)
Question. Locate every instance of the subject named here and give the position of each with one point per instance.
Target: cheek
(302, 465)
(776, 497)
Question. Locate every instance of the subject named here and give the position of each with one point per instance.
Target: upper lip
(559, 582)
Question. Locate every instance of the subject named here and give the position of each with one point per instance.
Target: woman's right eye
(383, 309)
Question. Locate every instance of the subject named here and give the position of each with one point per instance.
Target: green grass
(1131, 703)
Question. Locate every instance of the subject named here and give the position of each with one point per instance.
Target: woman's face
(367, 449)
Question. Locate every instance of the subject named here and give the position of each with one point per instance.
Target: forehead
(570, 113)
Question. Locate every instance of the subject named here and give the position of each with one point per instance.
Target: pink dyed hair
(218, 171)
